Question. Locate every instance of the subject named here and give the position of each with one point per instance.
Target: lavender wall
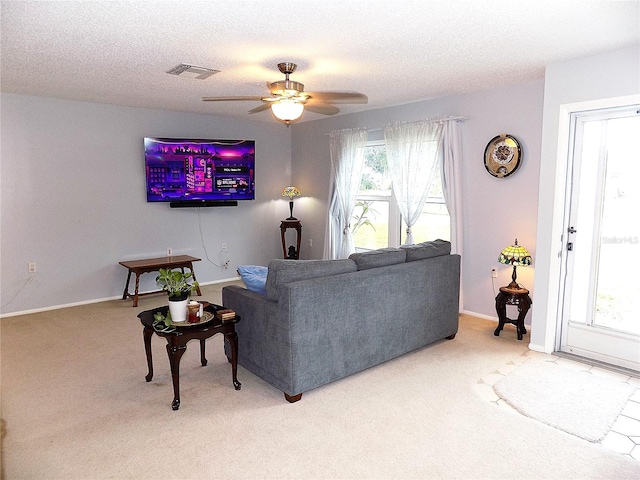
(74, 200)
(54, 212)
(495, 210)
(590, 81)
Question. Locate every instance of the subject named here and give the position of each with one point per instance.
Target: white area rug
(578, 402)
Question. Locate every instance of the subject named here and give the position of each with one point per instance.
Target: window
(434, 220)
(376, 221)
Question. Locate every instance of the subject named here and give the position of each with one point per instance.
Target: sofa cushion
(423, 250)
(254, 277)
(282, 272)
(378, 258)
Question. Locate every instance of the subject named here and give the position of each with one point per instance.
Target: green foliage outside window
(370, 222)
(361, 215)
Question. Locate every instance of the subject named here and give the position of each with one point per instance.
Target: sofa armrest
(264, 338)
(249, 305)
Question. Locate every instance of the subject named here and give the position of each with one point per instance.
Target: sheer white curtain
(347, 158)
(451, 180)
(413, 151)
(452, 184)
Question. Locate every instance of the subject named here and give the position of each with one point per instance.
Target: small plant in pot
(179, 286)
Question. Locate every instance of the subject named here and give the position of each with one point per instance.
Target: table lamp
(291, 192)
(518, 257)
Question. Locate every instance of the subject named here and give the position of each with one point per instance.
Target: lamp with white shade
(287, 110)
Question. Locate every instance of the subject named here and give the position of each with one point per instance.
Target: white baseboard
(480, 315)
(489, 317)
(95, 300)
(538, 348)
(532, 346)
(58, 307)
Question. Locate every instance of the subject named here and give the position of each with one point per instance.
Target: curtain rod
(434, 119)
(379, 129)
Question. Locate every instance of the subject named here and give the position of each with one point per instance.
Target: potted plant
(179, 286)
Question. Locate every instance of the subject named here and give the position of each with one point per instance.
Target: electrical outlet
(494, 274)
(225, 261)
(169, 251)
(310, 243)
(32, 267)
(224, 247)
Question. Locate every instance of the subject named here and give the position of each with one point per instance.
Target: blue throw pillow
(254, 277)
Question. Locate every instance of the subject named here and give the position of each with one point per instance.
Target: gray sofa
(322, 320)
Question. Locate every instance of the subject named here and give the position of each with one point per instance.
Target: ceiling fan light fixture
(286, 87)
(287, 99)
(287, 110)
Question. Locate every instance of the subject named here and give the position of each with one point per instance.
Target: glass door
(601, 304)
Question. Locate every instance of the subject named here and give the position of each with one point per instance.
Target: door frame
(550, 316)
(576, 338)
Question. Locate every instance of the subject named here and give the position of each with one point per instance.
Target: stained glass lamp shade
(517, 256)
(291, 192)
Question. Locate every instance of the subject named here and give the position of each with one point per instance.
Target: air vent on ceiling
(193, 71)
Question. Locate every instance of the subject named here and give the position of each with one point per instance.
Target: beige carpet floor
(76, 406)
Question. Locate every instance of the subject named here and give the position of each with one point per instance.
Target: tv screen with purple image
(194, 170)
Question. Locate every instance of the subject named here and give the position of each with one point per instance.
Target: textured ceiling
(392, 51)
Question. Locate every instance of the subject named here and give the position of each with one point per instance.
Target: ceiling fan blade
(338, 97)
(261, 108)
(229, 99)
(286, 91)
(320, 107)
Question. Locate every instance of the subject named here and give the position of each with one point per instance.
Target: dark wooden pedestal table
(512, 296)
(292, 253)
(177, 343)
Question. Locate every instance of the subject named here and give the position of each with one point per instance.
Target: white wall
(589, 79)
(495, 210)
(74, 201)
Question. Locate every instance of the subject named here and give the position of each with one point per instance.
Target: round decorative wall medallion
(502, 156)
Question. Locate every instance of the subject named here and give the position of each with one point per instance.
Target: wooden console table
(154, 265)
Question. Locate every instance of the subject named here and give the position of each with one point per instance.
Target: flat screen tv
(196, 172)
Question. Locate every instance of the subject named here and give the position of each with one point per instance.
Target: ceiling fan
(288, 99)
